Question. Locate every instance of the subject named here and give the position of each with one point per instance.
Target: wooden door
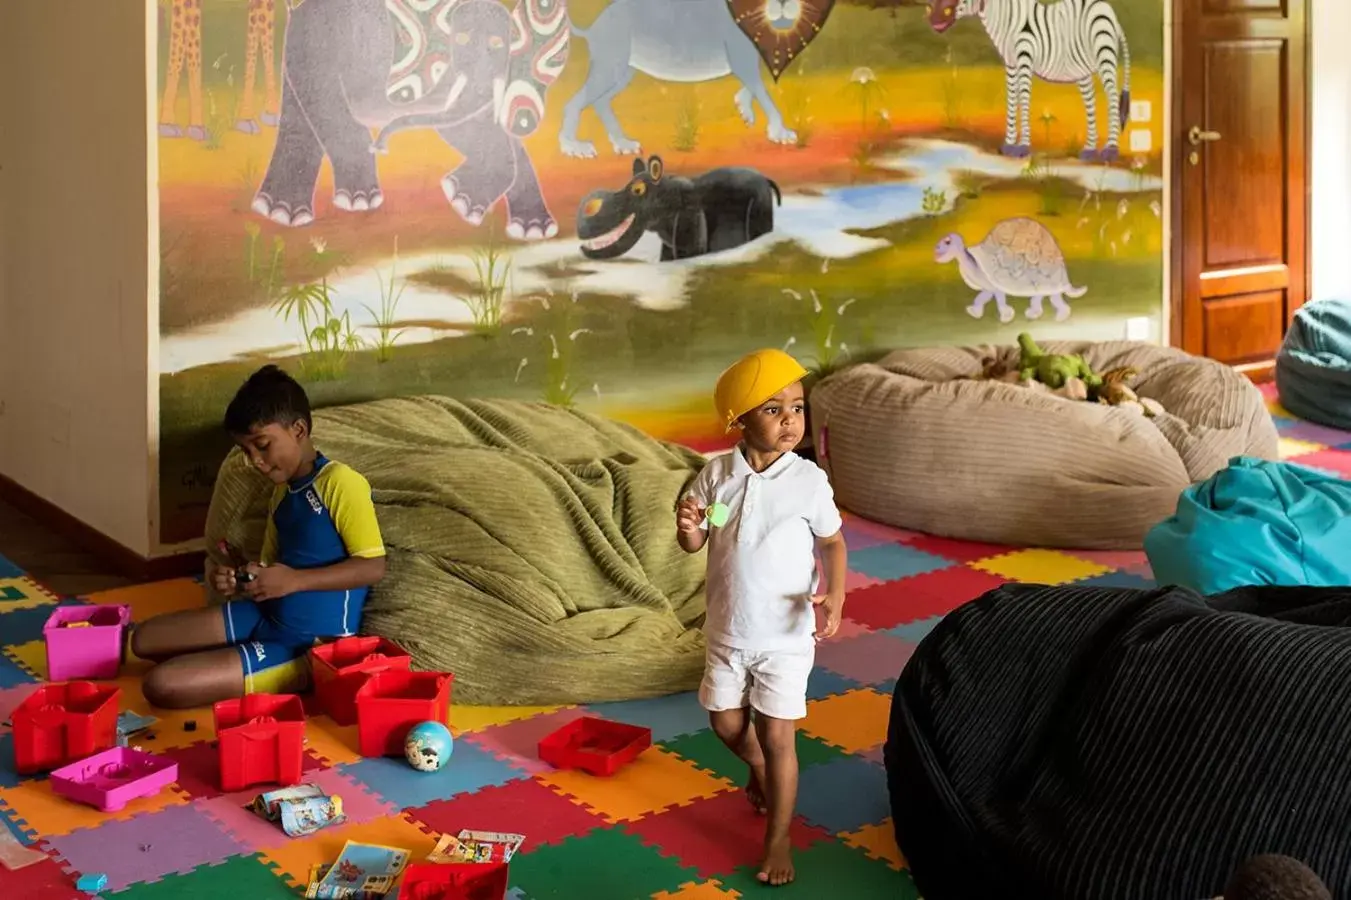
(1240, 159)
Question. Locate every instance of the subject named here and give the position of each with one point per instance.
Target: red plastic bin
(261, 739)
(390, 703)
(58, 724)
(340, 669)
(454, 881)
(593, 745)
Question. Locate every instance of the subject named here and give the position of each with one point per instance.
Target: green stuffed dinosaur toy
(1052, 369)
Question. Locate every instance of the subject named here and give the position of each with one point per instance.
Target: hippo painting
(719, 210)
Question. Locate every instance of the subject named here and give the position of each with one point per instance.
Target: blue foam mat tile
(668, 717)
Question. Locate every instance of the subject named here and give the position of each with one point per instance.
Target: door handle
(1196, 136)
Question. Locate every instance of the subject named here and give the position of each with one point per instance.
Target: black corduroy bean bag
(1076, 743)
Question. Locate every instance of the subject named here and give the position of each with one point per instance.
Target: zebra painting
(1065, 42)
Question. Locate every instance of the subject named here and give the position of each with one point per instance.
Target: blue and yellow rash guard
(315, 521)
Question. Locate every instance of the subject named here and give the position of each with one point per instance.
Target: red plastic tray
(261, 740)
(454, 881)
(390, 703)
(61, 723)
(593, 745)
(341, 667)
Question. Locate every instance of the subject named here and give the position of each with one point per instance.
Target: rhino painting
(474, 71)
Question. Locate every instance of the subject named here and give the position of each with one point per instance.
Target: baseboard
(119, 558)
(1258, 372)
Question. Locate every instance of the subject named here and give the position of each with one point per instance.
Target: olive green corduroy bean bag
(532, 549)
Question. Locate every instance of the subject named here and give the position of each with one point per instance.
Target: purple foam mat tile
(857, 581)
(868, 659)
(256, 833)
(519, 741)
(144, 848)
(1314, 434)
(11, 697)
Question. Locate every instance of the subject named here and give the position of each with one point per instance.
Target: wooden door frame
(1177, 148)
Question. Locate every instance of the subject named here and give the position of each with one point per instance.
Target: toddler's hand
(689, 515)
(834, 607)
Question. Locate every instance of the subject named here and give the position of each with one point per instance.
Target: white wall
(1331, 152)
(75, 313)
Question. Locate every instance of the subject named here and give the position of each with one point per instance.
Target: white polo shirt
(762, 563)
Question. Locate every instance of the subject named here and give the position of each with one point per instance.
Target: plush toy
(1273, 877)
(1052, 369)
(1115, 390)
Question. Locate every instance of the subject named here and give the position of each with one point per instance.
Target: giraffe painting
(185, 51)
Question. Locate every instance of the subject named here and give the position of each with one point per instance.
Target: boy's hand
(689, 516)
(223, 580)
(834, 607)
(270, 582)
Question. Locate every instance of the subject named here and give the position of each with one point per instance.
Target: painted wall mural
(602, 202)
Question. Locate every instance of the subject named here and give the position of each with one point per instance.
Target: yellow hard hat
(752, 380)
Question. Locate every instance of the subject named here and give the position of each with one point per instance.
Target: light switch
(1141, 110)
(1142, 140)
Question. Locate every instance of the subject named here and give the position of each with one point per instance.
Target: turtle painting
(1018, 258)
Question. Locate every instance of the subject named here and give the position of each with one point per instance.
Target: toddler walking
(763, 511)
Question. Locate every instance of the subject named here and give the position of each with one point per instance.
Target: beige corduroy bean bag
(914, 442)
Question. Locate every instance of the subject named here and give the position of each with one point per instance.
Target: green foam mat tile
(829, 869)
(607, 864)
(236, 878)
(705, 750)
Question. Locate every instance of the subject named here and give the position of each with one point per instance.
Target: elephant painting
(473, 70)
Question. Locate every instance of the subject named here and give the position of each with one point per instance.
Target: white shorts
(773, 682)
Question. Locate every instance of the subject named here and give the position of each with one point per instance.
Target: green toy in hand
(718, 514)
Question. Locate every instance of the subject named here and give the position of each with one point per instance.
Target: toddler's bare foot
(755, 793)
(777, 867)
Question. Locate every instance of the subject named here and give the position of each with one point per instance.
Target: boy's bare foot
(755, 791)
(777, 867)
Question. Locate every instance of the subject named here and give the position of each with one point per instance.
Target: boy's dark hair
(269, 397)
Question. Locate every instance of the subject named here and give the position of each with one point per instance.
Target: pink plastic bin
(92, 651)
(110, 780)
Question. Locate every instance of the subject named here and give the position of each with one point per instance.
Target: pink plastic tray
(112, 779)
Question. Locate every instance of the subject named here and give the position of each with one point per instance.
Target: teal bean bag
(1256, 522)
(1313, 367)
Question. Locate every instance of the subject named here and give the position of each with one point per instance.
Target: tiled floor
(671, 825)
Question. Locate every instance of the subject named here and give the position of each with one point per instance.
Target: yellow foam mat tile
(39, 810)
(333, 743)
(1040, 567)
(31, 657)
(150, 600)
(854, 721)
(1289, 448)
(30, 595)
(464, 719)
(706, 890)
(879, 842)
(655, 780)
(293, 859)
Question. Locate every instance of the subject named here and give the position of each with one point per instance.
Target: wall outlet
(1137, 328)
(1141, 140)
(1141, 111)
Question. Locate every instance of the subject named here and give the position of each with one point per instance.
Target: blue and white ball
(428, 746)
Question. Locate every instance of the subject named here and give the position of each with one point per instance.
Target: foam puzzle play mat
(379, 784)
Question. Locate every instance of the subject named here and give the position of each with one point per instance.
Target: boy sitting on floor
(322, 551)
